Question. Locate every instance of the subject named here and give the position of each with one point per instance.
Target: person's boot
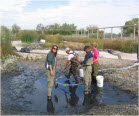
(94, 81)
(68, 76)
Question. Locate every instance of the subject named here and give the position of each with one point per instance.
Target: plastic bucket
(100, 79)
(81, 73)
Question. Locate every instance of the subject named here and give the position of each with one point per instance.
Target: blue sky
(43, 4)
(102, 13)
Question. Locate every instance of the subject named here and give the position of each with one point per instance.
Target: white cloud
(80, 12)
(10, 10)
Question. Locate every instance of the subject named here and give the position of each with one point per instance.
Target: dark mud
(25, 92)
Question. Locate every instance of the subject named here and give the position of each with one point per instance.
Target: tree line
(65, 29)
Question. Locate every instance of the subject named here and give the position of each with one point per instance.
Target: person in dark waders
(73, 59)
(87, 69)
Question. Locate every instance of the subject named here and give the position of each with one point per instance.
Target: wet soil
(24, 91)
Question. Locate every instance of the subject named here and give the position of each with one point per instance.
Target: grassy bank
(128, 45)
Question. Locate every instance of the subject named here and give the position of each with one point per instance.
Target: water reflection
(96, 95)
(50, 107)
(93, 98)
(73, 100)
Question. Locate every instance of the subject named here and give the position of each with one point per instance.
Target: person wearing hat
(73, 59)
(87, 69)
(95, 63)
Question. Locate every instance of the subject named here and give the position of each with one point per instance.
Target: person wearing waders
(95, 63)
(50, 70)
(87, 69)
(73, 59)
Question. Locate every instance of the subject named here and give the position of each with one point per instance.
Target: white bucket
(81, 73)
(100, 79)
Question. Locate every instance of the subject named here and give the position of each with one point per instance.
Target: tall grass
(6, 47)
(128, 45)
(28, 36)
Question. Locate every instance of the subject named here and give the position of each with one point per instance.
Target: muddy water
(25, 92)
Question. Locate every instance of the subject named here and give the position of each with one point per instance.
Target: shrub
(127, 45)
(54, 38)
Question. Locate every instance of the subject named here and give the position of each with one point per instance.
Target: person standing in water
(87, 69)
(50, 70)
(73, 58)
(95, 63)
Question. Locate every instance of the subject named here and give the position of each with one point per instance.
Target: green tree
(64, 29)
(15, 29)
(67, 29)
(52, 29)
(130, 30)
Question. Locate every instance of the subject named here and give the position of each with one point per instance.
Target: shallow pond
(27, 94)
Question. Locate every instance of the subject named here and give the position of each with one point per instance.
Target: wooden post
(134, 32)
(138, 49)
(81, 33)
(97, 33)
(78, 33)
(121, 32)
(84, 33)
(88, 34)
(104, 34)
(111, 32)
(92, 33)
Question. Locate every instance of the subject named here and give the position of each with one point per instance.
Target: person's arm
(67, 64)
(51, 71)
(96, 59)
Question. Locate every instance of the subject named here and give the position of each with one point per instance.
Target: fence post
(88, 33)
(121, 32)
(81, 33)
(84, 33)
(76, 34)
(134, 32)
(104, 34)
(111, 32)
